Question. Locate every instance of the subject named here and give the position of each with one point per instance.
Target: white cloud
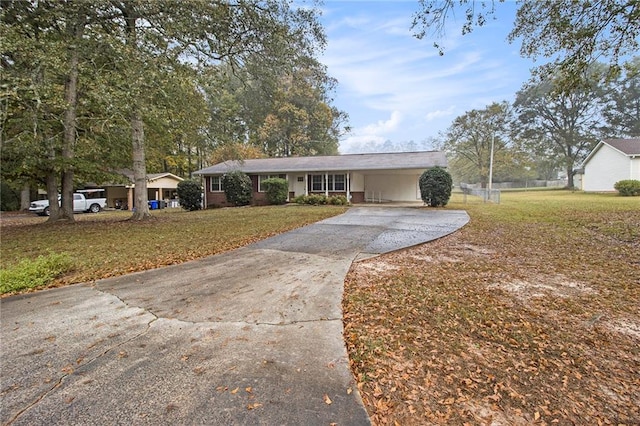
(395, 87)
(360, 144)
(384, 126)
(432, 115)
(371, 134)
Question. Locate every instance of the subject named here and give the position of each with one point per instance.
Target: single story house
(160, 186)
(360, 177)
(612, 160)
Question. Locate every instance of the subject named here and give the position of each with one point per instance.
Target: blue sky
(396, 87)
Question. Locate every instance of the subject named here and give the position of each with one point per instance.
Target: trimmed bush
(276, 190)
(190, 195)
(237, 188)
(300, 199)
(338, 200)
(628, 187)
(34, 273)
(435, 187)
(321, 200)
(311, 199)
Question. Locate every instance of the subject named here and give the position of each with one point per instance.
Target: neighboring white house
(359, 177)
(612, 160)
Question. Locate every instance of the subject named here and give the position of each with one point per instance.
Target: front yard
(107, 244)
(528, 315)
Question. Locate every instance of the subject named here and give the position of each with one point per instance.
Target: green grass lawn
(107, 244)
(528, 315)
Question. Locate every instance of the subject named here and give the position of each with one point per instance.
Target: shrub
(276, 190)
(9, 198)
(300, 199)
(190, 195)
(435, 187)
(321, 200)
(34, 273)
(338, 200)
(237, 188)
(628, 187)
(312, 199)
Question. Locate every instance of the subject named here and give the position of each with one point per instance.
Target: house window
(334, 183)
(216, 183)
(317, 182)
(265, 177)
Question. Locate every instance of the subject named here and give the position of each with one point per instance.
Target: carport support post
(348, 189)
(130, 198)
(326, 184)
(286, 177)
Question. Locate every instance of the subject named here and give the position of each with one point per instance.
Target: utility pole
(490, 168)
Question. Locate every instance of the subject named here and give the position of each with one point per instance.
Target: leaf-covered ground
(528, 315)
(107, 244)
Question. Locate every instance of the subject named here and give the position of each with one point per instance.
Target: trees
(574, 34)
(622, 102)
(578, 33)
(561, 124)
(86, 76)
(284, 111)
(301, 122)
(40, 59)
(469, 138)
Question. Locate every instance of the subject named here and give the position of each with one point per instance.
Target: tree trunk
(141, 197)
(52, 195)
(570, 184)
(69, 141)
(75, 31)
(25, 197)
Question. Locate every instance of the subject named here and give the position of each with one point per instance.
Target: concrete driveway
(252, 336)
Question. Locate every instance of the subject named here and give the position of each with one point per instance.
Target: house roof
(627, 147)
(349, 162)
(155, 176)
(150, 176)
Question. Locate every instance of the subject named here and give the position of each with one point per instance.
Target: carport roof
(350, 162)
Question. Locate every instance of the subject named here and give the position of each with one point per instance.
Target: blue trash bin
(153, 204)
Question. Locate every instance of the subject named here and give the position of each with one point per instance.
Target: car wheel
(95, 208)
(46, 211)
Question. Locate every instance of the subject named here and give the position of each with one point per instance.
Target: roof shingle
(626, 146)
(349, 162)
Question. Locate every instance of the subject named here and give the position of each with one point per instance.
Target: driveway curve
(252, 336)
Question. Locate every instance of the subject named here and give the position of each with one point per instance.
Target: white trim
(348, 188)
(326, 184)
(219, 184)
(330, 187)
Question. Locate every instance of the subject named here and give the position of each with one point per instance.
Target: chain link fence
(487, 195)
